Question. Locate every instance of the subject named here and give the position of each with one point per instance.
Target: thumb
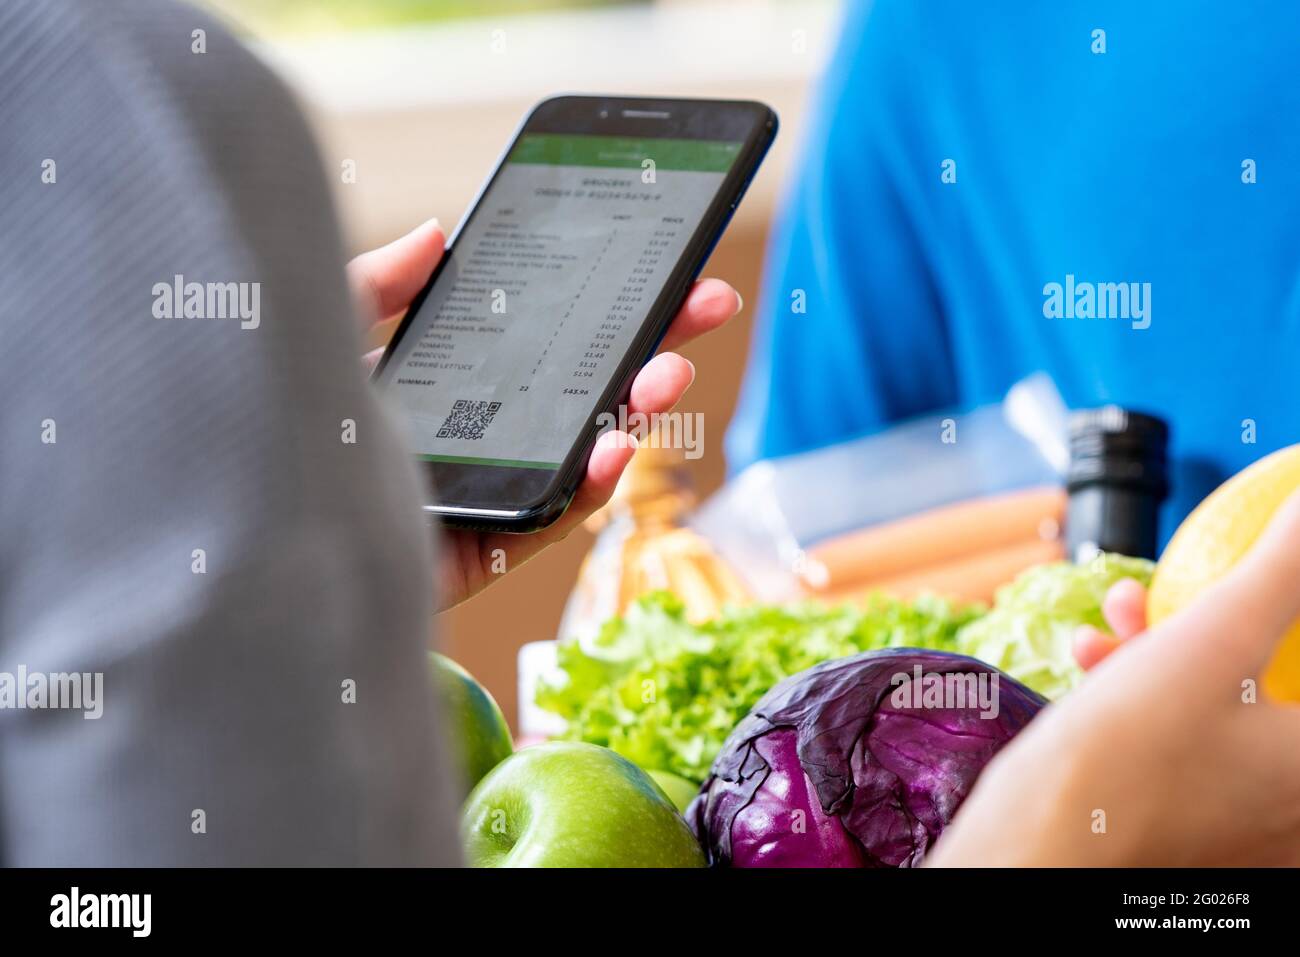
(1259, 600)
(385, 280)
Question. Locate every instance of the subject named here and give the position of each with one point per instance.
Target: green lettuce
(665, 693)
(1030, 630)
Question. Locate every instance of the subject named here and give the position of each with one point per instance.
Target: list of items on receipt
(545, 292)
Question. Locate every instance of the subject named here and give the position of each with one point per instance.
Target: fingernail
(740, 303)
(692, 365)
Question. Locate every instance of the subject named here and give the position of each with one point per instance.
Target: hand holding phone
(384, 282)
(559, 285)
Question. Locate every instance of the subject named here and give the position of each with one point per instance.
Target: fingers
(371, 359)
(1125, 608)
(385, 280)
(1092, 646)
(661, 384)
(1247, 612)
(609, 457)
(657, 388)
(1264, 587)
(1125, 611)
(710, 303)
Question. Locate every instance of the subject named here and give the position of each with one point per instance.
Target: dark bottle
(1118, 477)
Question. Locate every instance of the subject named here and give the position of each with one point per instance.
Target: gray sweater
(180, 509)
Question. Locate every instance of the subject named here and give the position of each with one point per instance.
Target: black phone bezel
(527, 499)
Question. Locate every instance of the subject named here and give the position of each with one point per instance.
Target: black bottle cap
(1117, 479)
(1118, 446)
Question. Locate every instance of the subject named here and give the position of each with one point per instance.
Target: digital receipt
(546, 289)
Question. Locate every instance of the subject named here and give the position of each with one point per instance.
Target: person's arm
(212, 513)
(850, 332)
(1163, 756)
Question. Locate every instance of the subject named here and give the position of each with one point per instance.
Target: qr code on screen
(467, 419)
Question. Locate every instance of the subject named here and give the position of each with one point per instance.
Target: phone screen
(546, 288)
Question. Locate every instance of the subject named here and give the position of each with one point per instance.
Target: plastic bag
(768, 520)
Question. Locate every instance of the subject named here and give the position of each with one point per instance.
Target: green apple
(569, 804)
(479, 736)
(679, 790)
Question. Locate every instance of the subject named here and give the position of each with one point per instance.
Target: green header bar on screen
(565, 149)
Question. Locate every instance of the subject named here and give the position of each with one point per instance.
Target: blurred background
(422, 95)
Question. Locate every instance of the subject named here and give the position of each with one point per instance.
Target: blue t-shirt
(987, 190)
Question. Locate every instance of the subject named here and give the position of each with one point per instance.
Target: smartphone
(556, 288)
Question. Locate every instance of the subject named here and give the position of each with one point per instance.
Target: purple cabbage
(854, 763)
